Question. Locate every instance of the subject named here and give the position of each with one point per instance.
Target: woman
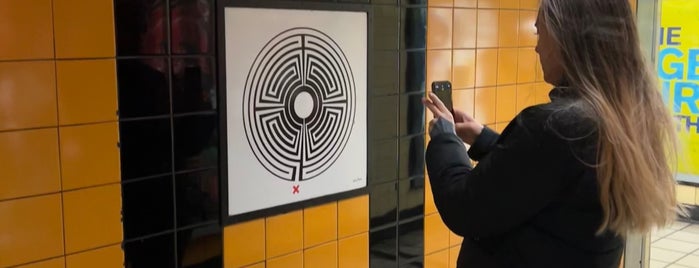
(567, 180)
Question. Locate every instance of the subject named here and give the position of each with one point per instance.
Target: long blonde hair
(636, 147)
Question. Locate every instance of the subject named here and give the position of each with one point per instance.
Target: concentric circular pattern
(299, 104)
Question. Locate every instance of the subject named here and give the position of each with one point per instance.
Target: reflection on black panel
(384, 163)
(411, 196)
(386, 21)
(193, 85)
(414, 27)
(156, 251)
(413, 71)
(191, 26)
(200, 247)
(412, 157)
(147, 207)
(196, 141)
(382, 248)
(197, 196)
(140, 27)
(383, 204)
(412, 115)
(146, 148)
(410, 242)
(143, 87)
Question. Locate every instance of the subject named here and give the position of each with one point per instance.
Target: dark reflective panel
(383, 164)
(382, 248)
(413, 2)
(140, 27)
(412, 114)
(383, 204)
(393, 2)
(418, 262)
(197, 196)
(412, 71)
(411, 196)
(196, 141)
(412, 157)
(156, 251)
(146, 148)
(200, 247)
(413, 27)
(386, 26)
(143, 87)
(147, 207)
(411, 241)
(384, 74)
(193, 85)
(383, 119)
(192, 26)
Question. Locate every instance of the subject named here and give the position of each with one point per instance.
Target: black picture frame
(221, 5)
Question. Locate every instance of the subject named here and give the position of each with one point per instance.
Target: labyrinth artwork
(295, 105)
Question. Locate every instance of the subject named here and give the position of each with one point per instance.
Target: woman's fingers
(433, 108)
(437, 102)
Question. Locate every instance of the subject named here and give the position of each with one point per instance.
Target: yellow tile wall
(332, 235)
(60, 197)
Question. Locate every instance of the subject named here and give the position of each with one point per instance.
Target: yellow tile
(633, 5)
(454, 239)
(244, 243)
(438, 65)
(465, 28)
(464, 71)
(527, 31)
(256, 265)
(507, 66)
(526, 72)
(27, 30)
(84, 28)
(686, 194)
(486, 67)
(453, 256)
(440, 3)
(464, 100)
(484, 110)
(319, 224)
(108, 257)
(509, 4)
(354, 251)
(293, 260)
(29, 163)
(439, 28)
(542, 92)
(528, 4)
(86, 91)
(353, 216)
(284, 233)
(32, 229)
(506, 103)
(500, 127)
(52, 263)
(508, 27)
(321, 256)
(438, 259)
(430, 207)
(526, 96)
(28, 94)
(89, 155)
(487, 32)
(92, 217)
(465, 3)
(488, 3)
(436, 234)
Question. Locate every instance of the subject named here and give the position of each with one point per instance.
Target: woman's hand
(466, 127)
(438, 110)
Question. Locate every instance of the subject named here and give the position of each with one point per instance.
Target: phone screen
(443, 90)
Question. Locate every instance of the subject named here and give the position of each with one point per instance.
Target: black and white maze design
(299, 104)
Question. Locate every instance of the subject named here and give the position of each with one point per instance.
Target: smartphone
(443, 90)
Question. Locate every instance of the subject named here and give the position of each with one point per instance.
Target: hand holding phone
(443, 90)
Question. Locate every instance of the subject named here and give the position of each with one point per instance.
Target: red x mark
(296, 189)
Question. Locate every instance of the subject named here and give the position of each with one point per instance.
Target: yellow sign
(678, 70)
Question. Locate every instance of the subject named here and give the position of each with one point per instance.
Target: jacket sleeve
(484, 144)
(518, 178)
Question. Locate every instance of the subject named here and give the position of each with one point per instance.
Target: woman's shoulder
(565, 120)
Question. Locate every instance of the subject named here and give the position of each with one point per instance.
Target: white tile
(665, 255)
(678, 225)
(694, 228)
(657, 235)
(677, 266)
(685, 236)
(690, 261)
(657, 264)
(676, 245)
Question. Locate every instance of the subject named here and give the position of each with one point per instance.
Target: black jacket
(533, 199)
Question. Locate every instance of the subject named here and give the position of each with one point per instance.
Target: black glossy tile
(147, 207)
(412, 115)
(411, 198)
(383, 166)
(411, 241)
(413, 27)
(384, 73)
(146, 148)
(354, 1)
(197, 195)
(411, 157)
(412, 71)
(386, 27)
(382, 248)
(413, 2)
(156, 251)
(143, 87)
(383, 204)
(141, 27)
(196, 141)
(193, 85)
(418, 262)
(383, 117)
(384, 2)
(204, 242)
(192, 26)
